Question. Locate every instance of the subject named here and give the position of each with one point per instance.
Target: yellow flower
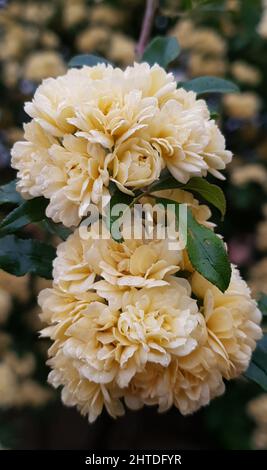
(244, 105)
(88, 396)
(190, 143)
(101, 124)
(257, 409)
(106, 332)
(102, 348)
(43, 64)
(188, 383)
(73, 13)
(16, 387)
(93, 39)
(262, 26)
(202, 40)
(246, 73)
(5, 305)
(133, 263)
(7, 386)
(17, 287)
(72, 271)
(124, 327)
(150, 326)
(232, 320)
(201, 212)
(199, 64)
(250, 173)
(107, 15)
(122, 49)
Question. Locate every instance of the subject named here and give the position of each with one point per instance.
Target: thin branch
(151, 7)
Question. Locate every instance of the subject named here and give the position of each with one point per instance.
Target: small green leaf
(161, 51)
(210, 192)
(257, 371)
(19, 257)
(202, 85)
(9, 195)
(166, 182)
(197, 185)
(207, 254)
(57, 229)
(206, 250)
(87, 59)
(29, 212)
(113, 218)
(206, 5)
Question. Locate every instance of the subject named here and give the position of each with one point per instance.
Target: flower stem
(151, 7)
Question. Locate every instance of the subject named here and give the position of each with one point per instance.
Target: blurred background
(226, 38)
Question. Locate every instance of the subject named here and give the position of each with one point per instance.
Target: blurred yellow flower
(43, 64)
(246, 73)
(245, 105)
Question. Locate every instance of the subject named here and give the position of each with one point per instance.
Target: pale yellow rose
(102, 347)
(190, 143)
(187, 388)
(201, 212)
(89, 397)
(101, 124)
(133, 263)
(232, 320)
(72, 272)
(152, 325)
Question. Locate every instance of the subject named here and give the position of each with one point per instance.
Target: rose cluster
(98, 125)
(133, 322)
(127, 327)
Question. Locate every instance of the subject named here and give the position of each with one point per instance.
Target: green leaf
(113, 217)
(210, 192)
(197, 185)
(57, 229)
(203, 5)
(202, 85)
(206, 250)
(262, 304)
(87, 59)
(166, 182)
(257, 371)
(8, 194)
(207, 254)
(19, 257)
(161, 51)
(27, 213)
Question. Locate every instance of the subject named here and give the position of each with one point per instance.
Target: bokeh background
(226, 38)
